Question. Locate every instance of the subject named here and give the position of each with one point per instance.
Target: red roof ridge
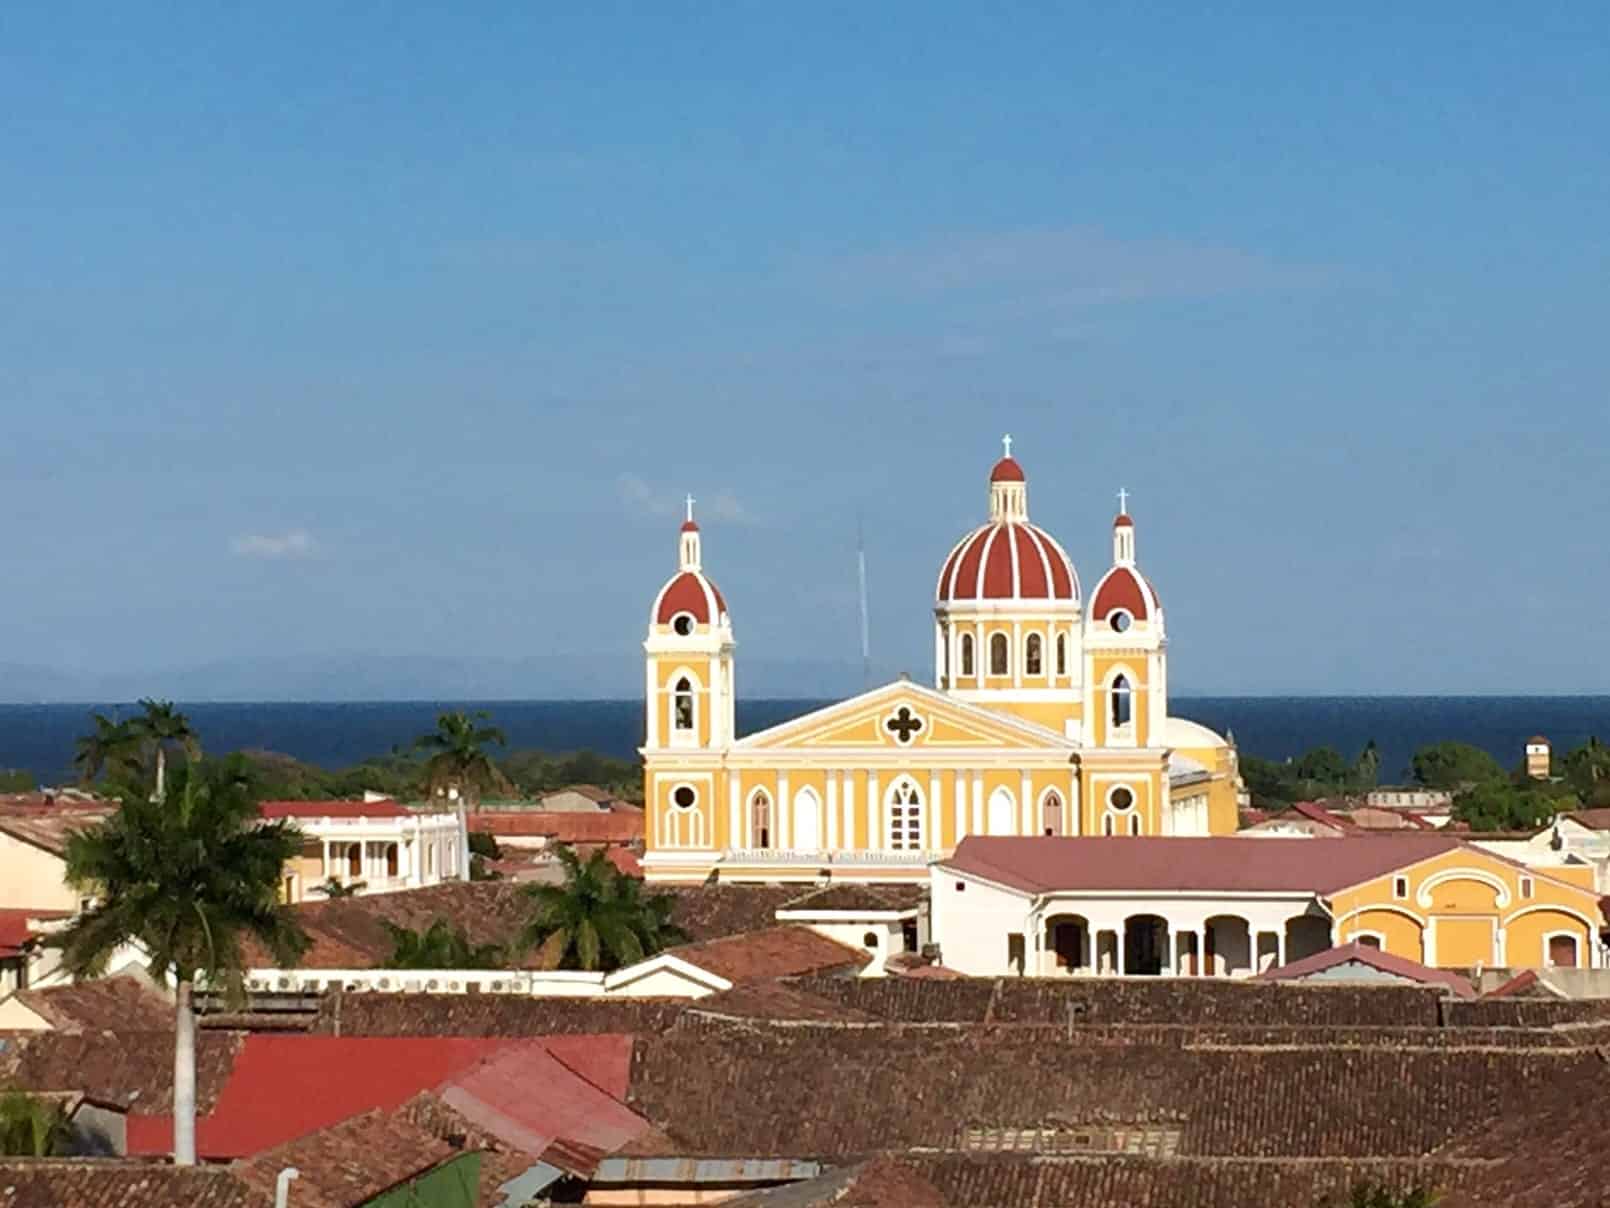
(1376, 958)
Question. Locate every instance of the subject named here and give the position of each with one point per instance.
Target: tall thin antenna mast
(866, 633)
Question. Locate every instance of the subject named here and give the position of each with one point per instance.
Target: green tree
(1497, 805)
(1367, 767)
(162, 728)
(1322, 765)
(597, 920)
(1378, 1195)
(32, 1127)
(112, 746)
(332, 887)
(440, 946)
(1587, 769)
(189, 881)
(458, 755)
(1453, 765)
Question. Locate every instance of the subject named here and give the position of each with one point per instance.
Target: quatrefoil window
(904, 725)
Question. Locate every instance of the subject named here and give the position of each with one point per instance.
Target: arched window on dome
(1033, 655)
(1062, 654)
(1122, 701)
(760, 820)
(682, 705)
(1000, 655)
(967, 654)
(905, 816)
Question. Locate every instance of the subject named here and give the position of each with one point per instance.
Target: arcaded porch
(1153, 938)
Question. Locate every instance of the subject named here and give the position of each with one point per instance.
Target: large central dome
(1007, 559)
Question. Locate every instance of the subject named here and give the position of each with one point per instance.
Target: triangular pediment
(904, 716)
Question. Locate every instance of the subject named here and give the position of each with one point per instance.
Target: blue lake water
(40, 737)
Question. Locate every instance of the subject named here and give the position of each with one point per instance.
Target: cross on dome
(690, 507)
(1006, 443)
(1123, 502)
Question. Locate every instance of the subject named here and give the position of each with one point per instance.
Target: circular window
(1120, 798)
(869, 940)
(682, 624)
(1120, 621)
(684, 797)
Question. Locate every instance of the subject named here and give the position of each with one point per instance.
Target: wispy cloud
(294, 544)
(721, 506)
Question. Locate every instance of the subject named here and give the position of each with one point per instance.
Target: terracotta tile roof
(771, 1001)
(885, 1182)
(348, 1163)
(1315, 812)
(1226, 864)
(105, 1183)
(784, 951)
(833, 1093)
(124, 1004)
(847, 895)
(1209, 1002)
(1523, 984)
(350, 933)
(1595, 819)
(126, 1068)
(561, 826)
(491, 1015)
(625, 861)
(335, 809)
(707, 912)
(1363, 954)
(47, 827)
(19, 928)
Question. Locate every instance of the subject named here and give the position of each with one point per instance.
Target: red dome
(689, 526)
(1124, 588)
(1007, 470)
(690, 592)
(1008, 560)
(1122, 520)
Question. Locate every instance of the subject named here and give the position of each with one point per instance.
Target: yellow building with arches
(1045, 717)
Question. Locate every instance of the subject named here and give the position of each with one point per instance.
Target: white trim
(1422, 896)
(1391, 908)
(1577, 941)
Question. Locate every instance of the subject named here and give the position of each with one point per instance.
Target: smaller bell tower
(689, 656)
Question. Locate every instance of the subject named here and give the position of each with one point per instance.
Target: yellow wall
(668, 669)
(1133, 665)
(1465, 898)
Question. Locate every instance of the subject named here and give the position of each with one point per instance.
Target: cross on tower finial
(690, 507)
(1123, 502)
(1006, 443)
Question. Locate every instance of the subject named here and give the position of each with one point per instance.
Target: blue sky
(360, 328)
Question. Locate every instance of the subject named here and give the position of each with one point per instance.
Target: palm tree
(598, 920)
(161, 728)
(440, 946)
(32, 1127)
(189, 882)
(112, 745)
(460, 760)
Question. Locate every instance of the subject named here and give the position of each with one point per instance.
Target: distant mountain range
(413, 677)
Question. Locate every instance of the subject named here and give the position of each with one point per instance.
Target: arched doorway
(1562, 951)
(1229, 946)
(1067, 941)
(807, 821)
(760, 820)
(1051, 811)
(1145, 945)
(1305, 935)
(354, 860)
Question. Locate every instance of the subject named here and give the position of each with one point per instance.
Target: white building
(374, 846)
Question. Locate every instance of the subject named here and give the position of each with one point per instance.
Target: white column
(959, 789)
(849, 810)
(783, 823)
(326, 865)
(1017, 654)
(874, 825)
(1201, 950)
(651, 699)
(980, 655)
(832, 812)
(978, 802)
(1074, 804)
(734, 817)
(939, 657)
(932, 811)
(1025, 812)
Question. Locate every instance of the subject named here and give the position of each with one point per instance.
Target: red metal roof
(1006, 470)
(1398, 966)
(1231, 863)
(16, 931)
(1123, 587)
(691, 592)
(286, 1086)
(334, 809)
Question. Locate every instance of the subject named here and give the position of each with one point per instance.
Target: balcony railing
(856, 859)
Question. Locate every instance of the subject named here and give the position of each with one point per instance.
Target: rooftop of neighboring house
(121, 1003)
(772, 952)
(48, 825)
(848, 897)
(1594, 819)
(1338, 960)
(21, 929)
(314, 810)
(560, 826)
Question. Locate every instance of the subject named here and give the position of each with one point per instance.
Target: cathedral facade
(1048, 715)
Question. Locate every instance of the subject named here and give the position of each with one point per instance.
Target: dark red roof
(1363, 954)
(562, 826)
(1122, 520)
(1122, 587)
(1007, 560)
(689, 526)
(286, 1086)
(785, 951)
(1231, 863)
(691, 592)
(334, 809)
(16, 930)
(1006, 470)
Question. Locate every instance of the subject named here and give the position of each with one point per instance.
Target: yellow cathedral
(1047, 716)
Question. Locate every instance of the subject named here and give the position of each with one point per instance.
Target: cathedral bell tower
(1125, 643)
(689, 653)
